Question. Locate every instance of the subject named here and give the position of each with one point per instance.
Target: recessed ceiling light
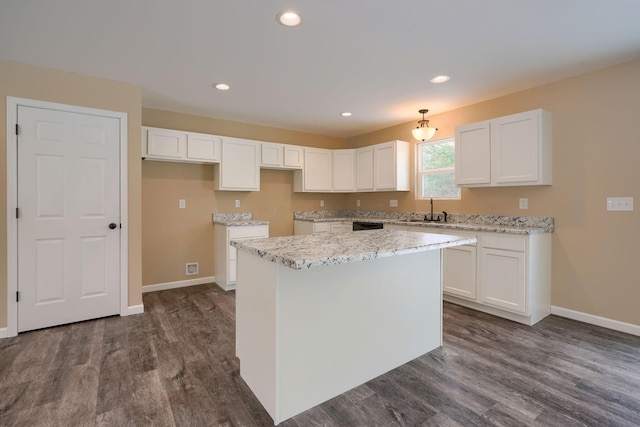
(440, 79)
(221, 86)
(288, 18)
(345, 114)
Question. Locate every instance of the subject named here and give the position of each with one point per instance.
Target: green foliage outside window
(436, 171)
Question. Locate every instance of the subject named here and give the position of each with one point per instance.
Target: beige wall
(595, 155)
(171, 237)
(26, 81)
(596, 149)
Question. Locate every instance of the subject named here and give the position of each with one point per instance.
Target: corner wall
(596, 150)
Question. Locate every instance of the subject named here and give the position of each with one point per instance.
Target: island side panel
(256, 327)
(339, 326)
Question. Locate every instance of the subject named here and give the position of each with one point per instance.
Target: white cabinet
(281, 156)
(391, 166)
(503, 272)
(506, 151)
(343, 162)
(239, 168)
(473, 154)
(180, 146)
(309, 227)
(316, 174)
(459, 273)
(225, 258)
(364, 169)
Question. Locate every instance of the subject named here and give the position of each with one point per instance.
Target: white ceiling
(373, 58)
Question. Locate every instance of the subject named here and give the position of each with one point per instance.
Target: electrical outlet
(182, 203)
(357, 203)
(321, 203)
(524, 203)
(191, 269)
(620, 204)
(237, 203)
(393, 203)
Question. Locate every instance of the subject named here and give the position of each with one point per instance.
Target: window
(436, 170)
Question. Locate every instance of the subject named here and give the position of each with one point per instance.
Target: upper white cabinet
(180, 146)
(391, 166)
(344, 178)
(281, 156)
(239, 168)
(364, 169)
(316, 173)
(507, 151)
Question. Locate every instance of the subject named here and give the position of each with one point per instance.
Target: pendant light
(423, 132)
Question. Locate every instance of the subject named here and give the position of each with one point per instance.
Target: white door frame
(12, 202)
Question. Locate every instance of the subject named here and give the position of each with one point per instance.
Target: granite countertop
(236, 219)
(310, 251)
(487, 223)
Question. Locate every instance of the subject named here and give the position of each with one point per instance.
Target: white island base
(304, 336)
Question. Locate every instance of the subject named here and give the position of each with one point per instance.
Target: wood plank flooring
(174, 365)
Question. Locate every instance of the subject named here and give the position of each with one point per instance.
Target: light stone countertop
(236, 219)
(484, 223)
(310, 251)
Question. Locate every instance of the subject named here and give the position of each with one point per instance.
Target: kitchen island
(319, 315)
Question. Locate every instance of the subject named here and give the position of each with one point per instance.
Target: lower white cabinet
(507, 275)
(308, 227)
(225, 256)
(459, 271)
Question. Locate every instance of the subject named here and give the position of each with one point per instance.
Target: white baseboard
(596, 320)
(135, 309)
(4, 333)
(178, 284)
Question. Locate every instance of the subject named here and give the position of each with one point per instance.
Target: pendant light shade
(423, 132)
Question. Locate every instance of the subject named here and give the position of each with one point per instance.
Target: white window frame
(420, 173)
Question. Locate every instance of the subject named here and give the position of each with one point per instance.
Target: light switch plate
(393, 203)
(182, 203)
(321, 203)
(358, 203)
(620, 204)
(237, 203)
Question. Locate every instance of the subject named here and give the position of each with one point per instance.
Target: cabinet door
(293, 156)
(459, 271)
(239, 168)
(321, 228)
(364, 169)
(515, 148)
(343, 173)
(203, 148)
(166, 144)
(317, 169)
(502, 279)
(473, 154)
(384, 166)
(272, 155)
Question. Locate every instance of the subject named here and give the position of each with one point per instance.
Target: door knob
(112, 225)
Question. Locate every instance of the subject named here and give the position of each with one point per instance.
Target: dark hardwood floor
(174, 365)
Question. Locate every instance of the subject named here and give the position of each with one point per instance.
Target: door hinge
(17, 296)
(17, 129)
(17, 213)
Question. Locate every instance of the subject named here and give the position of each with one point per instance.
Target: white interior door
(68, 198)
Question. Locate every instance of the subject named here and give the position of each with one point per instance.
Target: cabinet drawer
(502, 242)
(248, 232)
(321, 227)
